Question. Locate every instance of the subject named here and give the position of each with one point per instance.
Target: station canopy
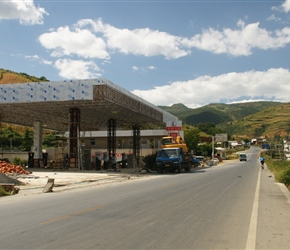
(98, 101)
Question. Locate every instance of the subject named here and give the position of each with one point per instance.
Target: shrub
(280, 169)
(285, 178)
(3, 192)
(232, 156)
(150, 161)
(24, 163)
(17, 161)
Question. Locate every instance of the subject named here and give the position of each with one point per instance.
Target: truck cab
(172, 159)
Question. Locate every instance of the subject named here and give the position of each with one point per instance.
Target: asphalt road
(231, 206)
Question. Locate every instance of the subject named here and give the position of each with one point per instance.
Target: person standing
(106, 160)
(98, 161)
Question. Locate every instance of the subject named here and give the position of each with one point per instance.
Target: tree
(43, 79)
(9, 137)
(191, 137)
(204, 149)
(209, 128)
(27, 140)
(50, 140)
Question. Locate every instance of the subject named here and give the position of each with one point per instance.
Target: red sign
(173, 128)
(174, 135)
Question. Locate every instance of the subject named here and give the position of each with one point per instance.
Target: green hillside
(246, 120)
(239, 110)
(207, 114)
(217, 113)
(179, 110)
(269, 122)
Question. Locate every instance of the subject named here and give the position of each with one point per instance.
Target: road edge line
(251, 240)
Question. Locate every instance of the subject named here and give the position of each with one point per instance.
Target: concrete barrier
(49, 186)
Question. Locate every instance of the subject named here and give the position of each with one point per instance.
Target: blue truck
(172, 160)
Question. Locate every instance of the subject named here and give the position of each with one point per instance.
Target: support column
(37, 142)
(74, 135)
(136, 143)
(111, 141)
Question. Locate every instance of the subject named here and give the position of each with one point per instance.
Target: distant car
(196, 160)
(216, 160)
(199, 158)
(243, 157)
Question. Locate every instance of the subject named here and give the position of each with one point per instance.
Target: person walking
(262, 161)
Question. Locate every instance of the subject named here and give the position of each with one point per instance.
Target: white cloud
(143, 70)
(91, 39)
(96, 40)
(23, 10)
(286, 6)
(41, 60)
(239, 42)
(274, 18)
(34, 57)
(46, 62)
(77, 69)
(64, 42)
(231, 87)
(145, 42)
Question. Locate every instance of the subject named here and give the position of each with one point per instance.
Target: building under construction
(75, 107)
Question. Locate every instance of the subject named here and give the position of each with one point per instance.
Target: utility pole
(212, 154)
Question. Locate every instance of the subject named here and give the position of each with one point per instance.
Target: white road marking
(251, 241)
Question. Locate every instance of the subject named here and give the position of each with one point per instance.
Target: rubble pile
(6, 167)
(4, 179)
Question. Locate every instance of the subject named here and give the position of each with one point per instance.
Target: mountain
(179, 110)
(245, 120)
(271, 121)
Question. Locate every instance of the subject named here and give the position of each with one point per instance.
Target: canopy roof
(98, 101)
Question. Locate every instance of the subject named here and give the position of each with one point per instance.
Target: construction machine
(173, 142)
(173, 155)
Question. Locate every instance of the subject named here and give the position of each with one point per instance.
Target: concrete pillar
(37, 142)
(74, 135)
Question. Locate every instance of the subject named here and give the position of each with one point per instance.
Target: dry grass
(8, 78)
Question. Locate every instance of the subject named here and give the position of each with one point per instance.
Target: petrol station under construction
(78, 109)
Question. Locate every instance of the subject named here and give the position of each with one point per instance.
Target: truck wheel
(160, 170)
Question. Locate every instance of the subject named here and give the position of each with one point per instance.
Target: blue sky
(166, 52)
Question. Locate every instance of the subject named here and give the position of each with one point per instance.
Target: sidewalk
(274, 214)
(35, 182)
